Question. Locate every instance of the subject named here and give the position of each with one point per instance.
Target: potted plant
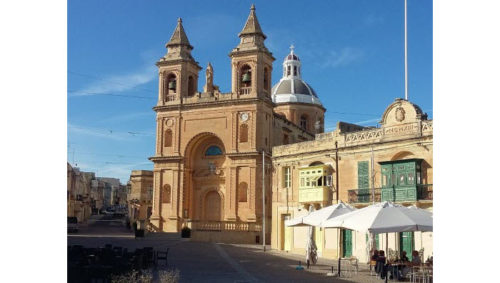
(186, 232)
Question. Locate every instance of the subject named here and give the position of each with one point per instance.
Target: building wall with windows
(140, 195)
(79, 199)
(392, 162)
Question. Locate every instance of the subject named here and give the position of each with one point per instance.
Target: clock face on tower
(244, 117)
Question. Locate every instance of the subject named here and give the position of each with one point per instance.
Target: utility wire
(110, 94)
(102, 79)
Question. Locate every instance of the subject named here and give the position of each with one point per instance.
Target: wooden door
(287, 234)
(346, 243)
(212, 206)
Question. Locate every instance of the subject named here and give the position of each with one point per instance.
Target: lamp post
(263, 202)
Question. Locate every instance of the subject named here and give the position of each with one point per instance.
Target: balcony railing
(170, 97)
(245, 90)
(394, 194)
(220, 226)
(364, 195)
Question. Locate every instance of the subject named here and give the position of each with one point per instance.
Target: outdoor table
(394, 268)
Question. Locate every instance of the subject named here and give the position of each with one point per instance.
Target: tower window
(245, 80)
(266, 79)
(190, 86)
(303, 122)
(294, 70)
(288, 70)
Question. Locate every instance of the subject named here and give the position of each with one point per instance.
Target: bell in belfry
(246, 77)
(172, 85)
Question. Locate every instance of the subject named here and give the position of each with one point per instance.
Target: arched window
(168, 138)
(213, 151)
(303, 122)
(190, 86)
(245, 79)
(242, 192)
(166, 194)
(266, 79)
(243, 133)
(170, 87)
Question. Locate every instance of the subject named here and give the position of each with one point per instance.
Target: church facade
(213, 149)
(215, 152)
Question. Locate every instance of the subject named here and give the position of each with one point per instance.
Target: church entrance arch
(206, 164)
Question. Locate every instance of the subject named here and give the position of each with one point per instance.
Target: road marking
(248, 277)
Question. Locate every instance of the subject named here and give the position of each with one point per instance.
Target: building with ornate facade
(359, 166)
(215, 152)
(211, 147)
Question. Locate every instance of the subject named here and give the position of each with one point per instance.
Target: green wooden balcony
(422, 192)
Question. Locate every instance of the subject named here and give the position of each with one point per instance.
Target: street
(210, 262)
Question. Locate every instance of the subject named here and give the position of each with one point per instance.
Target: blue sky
(352, 53)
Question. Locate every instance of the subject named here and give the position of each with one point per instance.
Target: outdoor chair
(372, 265)
(353, 262)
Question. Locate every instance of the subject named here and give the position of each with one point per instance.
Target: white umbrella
(317, 217)
(385, 217)
(311, 250)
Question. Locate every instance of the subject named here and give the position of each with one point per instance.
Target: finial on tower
(292, 48)
(253, 7)
(179, 20)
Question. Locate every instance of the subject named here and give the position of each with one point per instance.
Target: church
(216, 153)
(213, 149)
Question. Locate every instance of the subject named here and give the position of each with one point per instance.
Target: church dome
(291, 87)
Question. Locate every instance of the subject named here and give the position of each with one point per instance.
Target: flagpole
(406, 53)
(263, 203)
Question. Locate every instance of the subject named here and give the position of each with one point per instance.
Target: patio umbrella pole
(338, 232)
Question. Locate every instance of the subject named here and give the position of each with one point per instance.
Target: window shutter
(363, 175)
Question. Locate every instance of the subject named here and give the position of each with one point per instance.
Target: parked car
(72, 224)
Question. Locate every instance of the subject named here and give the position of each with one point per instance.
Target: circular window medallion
(169, 122)
(400, 114)
(244, 117)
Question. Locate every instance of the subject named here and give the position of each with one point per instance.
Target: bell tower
(251, 61)
(178, 71)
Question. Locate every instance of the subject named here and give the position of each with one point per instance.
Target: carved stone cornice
(165, 158)
(229, 102)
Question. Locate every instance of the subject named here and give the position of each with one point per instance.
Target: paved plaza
(213, 262)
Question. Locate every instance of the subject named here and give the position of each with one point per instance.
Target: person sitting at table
(405, 269)
(415, 258)
(380, 265)
(374, 255)
(404, 258)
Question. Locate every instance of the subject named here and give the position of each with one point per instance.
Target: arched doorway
(212, 206)
(205, 188)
